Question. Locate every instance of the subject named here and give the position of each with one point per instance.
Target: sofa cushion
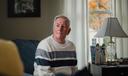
(27, 50)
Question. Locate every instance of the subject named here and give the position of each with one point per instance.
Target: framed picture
(24, 8)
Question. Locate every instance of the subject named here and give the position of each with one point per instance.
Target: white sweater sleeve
(42, 70)
(42, 58)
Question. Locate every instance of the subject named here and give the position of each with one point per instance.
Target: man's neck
(61, 41)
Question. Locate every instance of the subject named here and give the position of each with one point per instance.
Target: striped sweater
(52, 57)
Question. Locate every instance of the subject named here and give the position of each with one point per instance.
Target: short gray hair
(64, 17)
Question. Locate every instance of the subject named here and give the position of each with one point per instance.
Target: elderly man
(56, 54)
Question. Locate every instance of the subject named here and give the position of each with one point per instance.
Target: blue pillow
(27, 50)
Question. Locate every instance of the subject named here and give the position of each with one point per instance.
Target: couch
(26, 49)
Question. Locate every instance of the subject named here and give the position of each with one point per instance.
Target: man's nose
(61, 27)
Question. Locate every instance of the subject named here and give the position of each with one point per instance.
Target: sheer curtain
(76, 10)
(121, 11)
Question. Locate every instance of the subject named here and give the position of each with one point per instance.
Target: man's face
(60, 29)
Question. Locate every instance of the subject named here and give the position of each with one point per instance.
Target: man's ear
(68, 31)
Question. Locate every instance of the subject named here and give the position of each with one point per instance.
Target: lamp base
(111, 52)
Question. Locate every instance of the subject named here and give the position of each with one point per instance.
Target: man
(56, 54)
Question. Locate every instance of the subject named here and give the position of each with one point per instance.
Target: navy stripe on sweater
(55, 63)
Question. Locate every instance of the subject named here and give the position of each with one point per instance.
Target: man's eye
(57, 25)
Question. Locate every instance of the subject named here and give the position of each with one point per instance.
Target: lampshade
(111, 27)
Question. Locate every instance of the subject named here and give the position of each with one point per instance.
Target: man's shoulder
(44, 42)
(70, 42)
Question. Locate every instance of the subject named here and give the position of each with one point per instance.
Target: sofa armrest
(27, 50)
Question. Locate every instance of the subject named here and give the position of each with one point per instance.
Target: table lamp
(111, 28)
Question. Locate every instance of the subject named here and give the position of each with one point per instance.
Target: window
(98, 11)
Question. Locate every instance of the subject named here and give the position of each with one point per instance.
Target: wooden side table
(109, 70)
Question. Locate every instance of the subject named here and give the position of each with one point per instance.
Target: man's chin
(60, 37)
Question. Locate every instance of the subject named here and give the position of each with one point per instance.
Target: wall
(29, 28)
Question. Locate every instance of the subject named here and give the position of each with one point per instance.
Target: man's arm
(42, 70)
(42, 63)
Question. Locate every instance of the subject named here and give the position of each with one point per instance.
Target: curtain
(121, 12)
(76, 10)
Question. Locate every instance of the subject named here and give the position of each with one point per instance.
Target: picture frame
(24, 8)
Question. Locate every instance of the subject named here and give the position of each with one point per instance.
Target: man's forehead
(60, 20)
